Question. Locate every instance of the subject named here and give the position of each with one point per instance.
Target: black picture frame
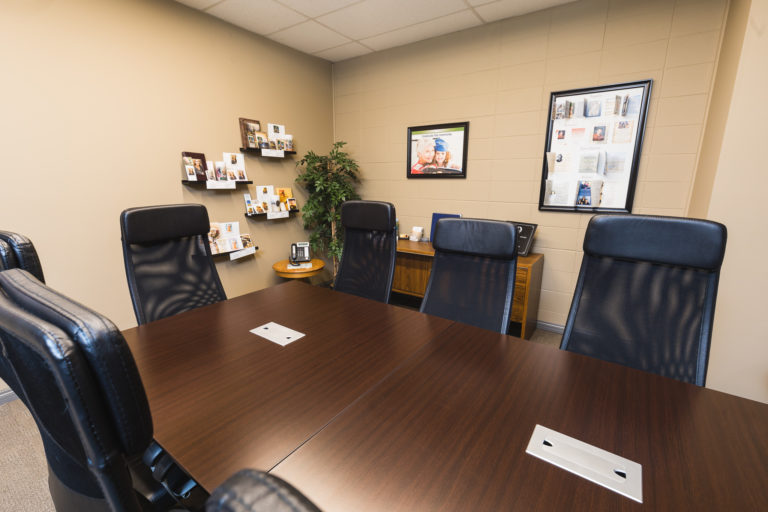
(592, 149)
(454, 137)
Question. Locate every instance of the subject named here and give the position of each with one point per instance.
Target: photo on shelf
(235, 163)
(265, 198)
(283, 193)
(197, 160)
(248, 130)
(292, 205)
(249, 209)
(275, 131)
(220, 171)
(245, 238)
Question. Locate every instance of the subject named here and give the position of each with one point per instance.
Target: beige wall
(499, 77)
(99, 98)
(739, 356)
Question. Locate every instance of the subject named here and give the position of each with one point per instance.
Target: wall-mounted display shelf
(257, 152)
(193, 182)
(264, 215)
(227, 253)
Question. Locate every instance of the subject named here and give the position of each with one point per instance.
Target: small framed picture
(248, 130)
(198, 162)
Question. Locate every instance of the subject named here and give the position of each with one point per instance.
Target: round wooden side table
(283, 269)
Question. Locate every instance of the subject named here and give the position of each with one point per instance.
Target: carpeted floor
(23, 470)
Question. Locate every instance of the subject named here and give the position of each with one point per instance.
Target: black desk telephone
(299, 253)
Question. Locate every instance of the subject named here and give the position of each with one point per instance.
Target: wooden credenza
(414, 264)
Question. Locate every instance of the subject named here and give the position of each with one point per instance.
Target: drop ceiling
(337, 30)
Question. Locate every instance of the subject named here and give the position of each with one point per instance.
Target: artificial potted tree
(329, 180)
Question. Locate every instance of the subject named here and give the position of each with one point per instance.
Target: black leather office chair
(473, 272)
(249, 490)
(168, 261)
(78, 379)
(18, 251)
(370, 244)
(645, 295)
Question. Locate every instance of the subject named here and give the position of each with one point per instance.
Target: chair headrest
(491, 238)
(102, 345)
(250, 490)
(148, 224)
(22, 254)
(666, 240)
(369, 215)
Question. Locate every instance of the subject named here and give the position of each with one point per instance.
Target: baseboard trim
(6, 395)
(546, 326)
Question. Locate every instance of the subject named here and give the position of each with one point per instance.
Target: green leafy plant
(330, 180)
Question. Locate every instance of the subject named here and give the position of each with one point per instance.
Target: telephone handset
(299, 253)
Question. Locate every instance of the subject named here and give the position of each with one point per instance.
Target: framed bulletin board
(592, 151)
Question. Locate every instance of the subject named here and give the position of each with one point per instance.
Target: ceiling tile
(314, 8)
(343, 52)
(506, 8)
(372, 17)
(446, 24)
(199, 4)
(309, 37)
(262, 17)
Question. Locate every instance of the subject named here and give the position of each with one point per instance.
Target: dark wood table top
(449, 428)
(223, 399)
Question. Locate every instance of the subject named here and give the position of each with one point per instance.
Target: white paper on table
(277, 333)
(308, 264)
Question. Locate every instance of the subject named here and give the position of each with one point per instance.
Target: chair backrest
(168, 261)
(645, 295)
(7, 258)
(18, 251)
(370, 244)
(249, 490)
(79, 381)
(473, 272)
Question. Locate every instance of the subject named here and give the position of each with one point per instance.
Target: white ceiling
(336, 30)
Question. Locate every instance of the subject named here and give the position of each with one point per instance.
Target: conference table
(379, 407)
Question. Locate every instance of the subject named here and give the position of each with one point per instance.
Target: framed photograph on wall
(438, 150)
(592, 149)
(249, 128)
